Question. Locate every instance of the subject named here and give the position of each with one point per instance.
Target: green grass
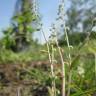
(82, 84)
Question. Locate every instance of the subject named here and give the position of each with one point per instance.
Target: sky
(47, 8)
(6, 12)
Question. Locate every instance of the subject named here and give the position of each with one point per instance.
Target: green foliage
(80, 18)
(7, 40)
(24, 22)
(76, 38)
(31, 54)
(82, 83)
(82, 68)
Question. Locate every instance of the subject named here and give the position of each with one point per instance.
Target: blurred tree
(24, 22)
(80, 15)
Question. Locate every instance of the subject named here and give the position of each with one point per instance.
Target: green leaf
(75, 61)
(89, 91)
(30, 29)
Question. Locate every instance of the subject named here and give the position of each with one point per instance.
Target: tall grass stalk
(51, 59)
(55, 40)
(63, 69)
(69, 59)
(53, 74)
(62, 17)
(19, 91)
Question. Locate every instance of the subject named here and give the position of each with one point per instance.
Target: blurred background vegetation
(17, 46)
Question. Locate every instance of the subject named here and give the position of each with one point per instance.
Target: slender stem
(19, 91)
(62, 15)
(53, 75)
(48, 48)
(69, 58)
(51, 64)
(67, 40)
(63, 68)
